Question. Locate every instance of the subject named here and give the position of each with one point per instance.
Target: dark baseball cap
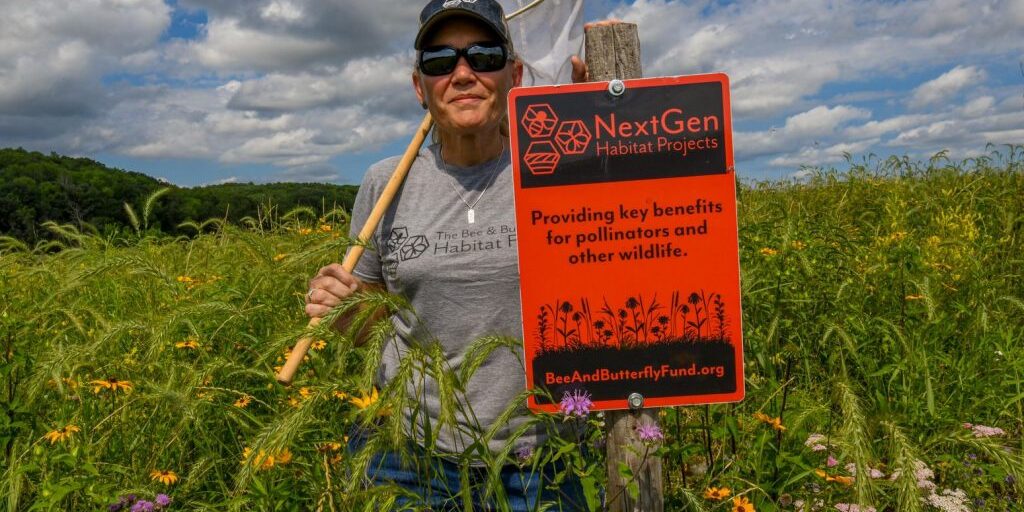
(487, 11)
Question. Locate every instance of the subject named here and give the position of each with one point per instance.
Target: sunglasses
(482, 58)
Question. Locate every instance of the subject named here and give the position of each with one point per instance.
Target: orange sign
(627, 236)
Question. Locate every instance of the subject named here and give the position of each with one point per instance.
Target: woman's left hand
(579, 70)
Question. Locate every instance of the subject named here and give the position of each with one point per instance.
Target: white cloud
(1017, 11)
(946, 86)
(281, 10)
(823, 120)
(817, 156)
(873, 129)
(815, 125)
(54, 53)
(978, 107)
(230, 46)
(780, 54)
(959, 133)
(378, 80)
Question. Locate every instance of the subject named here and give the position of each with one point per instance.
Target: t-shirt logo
(403, 247)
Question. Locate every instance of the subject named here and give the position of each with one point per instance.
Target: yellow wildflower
(365, 400)
(340, 395)
(775, 423)
(284, 457)
(332, 448)
(325, 228)
(243, 401)
(189, 344)
(280, 257)
(112, 384)
(798, 245)
(742, 504)
(716, 493)
(845, 480)
(305, 231)
(768, 251)
(318, 345)
(164, 476)
(61, 434)
(264, 460)
(185, 279)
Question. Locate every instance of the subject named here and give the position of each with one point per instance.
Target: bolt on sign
(627, 239)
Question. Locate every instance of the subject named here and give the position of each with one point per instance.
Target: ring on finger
(309, 295)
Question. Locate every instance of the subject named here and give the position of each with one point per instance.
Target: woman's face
(464, 101)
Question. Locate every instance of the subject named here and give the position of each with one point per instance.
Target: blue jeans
(437, 484)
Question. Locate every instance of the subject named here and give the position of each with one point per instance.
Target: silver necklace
(470, 207)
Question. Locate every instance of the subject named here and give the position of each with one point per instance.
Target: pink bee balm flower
(576, 404)
(650, 433)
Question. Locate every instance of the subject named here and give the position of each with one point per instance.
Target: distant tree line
(35, 188)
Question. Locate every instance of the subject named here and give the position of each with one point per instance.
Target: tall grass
(883, 309)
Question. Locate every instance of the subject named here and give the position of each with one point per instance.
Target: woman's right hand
(331, 285)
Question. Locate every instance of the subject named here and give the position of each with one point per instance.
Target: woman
(447, 244)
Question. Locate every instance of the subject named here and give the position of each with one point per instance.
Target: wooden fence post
(613, 51)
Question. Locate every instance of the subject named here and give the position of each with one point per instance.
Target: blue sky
(207, 91)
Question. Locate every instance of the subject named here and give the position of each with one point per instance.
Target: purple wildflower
(524, 452)
(143, 506)
(162, 500)
(872, 472)
(831, 461)
(650, 433)
(122, 502)
(576, 404)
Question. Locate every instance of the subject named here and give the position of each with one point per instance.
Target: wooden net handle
(291, 366)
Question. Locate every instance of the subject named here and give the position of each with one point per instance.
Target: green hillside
(35, 188)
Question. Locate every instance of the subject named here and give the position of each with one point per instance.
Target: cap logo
(455, 3)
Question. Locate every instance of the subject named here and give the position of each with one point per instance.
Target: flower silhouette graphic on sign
(573, 137)
(541, 158)
(540, 121)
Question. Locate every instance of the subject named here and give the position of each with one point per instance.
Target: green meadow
(883, 331)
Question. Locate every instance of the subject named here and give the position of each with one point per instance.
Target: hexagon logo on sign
(540, 121)
(541, 158)
(573, 137)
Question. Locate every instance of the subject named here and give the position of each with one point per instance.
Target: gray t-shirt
(461, 279)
